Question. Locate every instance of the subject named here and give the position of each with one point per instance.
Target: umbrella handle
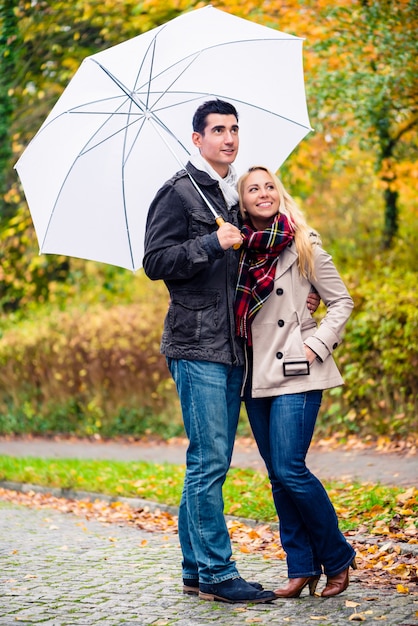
(220, 220)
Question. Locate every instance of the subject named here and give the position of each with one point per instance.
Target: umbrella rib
(75, 111)
(180, 162)
(150, 72)
(283, 117)
(199, 94)
(169, 132)
(128, 235)
(84, 150)
(168, 88)
(151, 45)
(125, 90)
(125, 156)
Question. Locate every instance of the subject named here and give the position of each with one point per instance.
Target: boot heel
(296, 585)
(313, 583)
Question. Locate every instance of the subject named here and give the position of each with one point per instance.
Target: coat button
(279, 291)
(335, 346)
(279, 355)
(280, 323)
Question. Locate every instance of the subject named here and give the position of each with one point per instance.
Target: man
(185, 248)
(198, 263)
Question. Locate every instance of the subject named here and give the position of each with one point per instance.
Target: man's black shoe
(191, 586)
(234, 590)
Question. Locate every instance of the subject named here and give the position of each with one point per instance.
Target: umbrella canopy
(123, 126)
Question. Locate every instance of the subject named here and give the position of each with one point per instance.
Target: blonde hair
(288, 207)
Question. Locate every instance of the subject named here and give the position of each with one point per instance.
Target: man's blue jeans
(283, 427)
(210, 400)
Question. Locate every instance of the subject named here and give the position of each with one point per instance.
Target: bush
(378, 359)
(86, 372)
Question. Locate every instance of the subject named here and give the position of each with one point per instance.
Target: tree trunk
(8, 37)
(391, 223)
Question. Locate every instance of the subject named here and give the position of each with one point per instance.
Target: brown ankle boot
(295, 587)
(339, 583)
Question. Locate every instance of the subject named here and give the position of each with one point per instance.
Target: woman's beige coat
(284, 324)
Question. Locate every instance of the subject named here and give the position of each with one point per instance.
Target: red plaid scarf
(257, 267)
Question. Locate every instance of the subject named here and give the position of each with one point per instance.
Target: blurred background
(79, 341)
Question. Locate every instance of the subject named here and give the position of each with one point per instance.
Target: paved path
(363, 465)
(61, 570)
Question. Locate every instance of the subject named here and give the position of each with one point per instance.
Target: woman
(289, 364)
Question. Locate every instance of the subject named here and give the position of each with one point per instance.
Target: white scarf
(228, 184)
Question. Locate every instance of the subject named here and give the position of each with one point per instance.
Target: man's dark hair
(211, 106)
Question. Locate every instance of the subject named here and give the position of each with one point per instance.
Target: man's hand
(313, 301)
(228, 235)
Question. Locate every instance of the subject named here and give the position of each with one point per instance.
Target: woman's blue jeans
(210, 400)
(283, 427)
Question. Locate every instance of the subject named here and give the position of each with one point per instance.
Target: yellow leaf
(253, 534)
(402, 589)
(357, 617)
(351, 604)
(403, 497)
(318, 617)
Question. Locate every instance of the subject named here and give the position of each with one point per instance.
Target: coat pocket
(202, 221)
(294, 361)
(194, 317)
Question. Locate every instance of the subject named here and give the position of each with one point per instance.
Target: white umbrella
(123, 126)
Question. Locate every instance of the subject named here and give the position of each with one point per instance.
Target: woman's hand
(310, 354)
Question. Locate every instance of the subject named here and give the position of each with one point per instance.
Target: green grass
(246, 492)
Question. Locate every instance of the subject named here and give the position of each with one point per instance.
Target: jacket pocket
(202, 221)
(194, 317)
(295, 362)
